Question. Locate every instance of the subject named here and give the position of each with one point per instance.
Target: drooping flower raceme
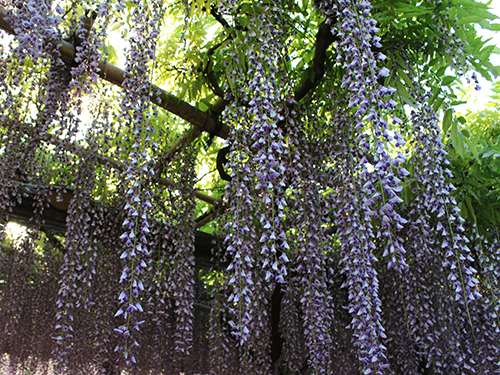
(134, 108)
(258, 247)
(368, 175)
(437, 241)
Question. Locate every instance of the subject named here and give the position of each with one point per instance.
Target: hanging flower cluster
(369, 101)
(174, 270)
(134, 109)
(35, 28)
(308, 284)
(26, 321)
(438, 243)
(258, 248)
(357, 238)
(488, 252)
(365, 194)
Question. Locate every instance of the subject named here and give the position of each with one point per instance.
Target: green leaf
(435, 93)
(244, 21)
(404, 92)
(240, 36)
(405, 77)
(470, 209)
(112, 55)
(469, 19)
(308, 74)
(456, 102)
(495, 26)
(447, 120)
(472, 148)
(440, 71)
(457, 140)
(437, 104)
(453, 13)
(483, 13)
(245, 8)
(447, 80)
(493, 153)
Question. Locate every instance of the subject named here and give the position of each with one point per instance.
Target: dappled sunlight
(15, 232)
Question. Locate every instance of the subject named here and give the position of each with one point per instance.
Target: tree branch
(215, 14)
(202, 121)
(324, 38)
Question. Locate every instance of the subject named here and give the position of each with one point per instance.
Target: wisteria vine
(337, 246)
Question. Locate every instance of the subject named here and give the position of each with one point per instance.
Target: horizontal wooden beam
(105, 160)
(203, 121)
(54, 216)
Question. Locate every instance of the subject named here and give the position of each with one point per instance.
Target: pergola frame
(201, 121)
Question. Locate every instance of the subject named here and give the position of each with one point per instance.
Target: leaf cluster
(473, 141)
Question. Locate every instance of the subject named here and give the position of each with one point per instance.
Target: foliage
(473, 140)
(351, 229)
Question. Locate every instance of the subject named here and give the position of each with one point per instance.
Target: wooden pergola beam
(53, 217)
(203, 121)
